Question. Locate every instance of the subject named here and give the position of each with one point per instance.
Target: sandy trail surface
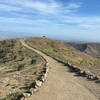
(64, 85)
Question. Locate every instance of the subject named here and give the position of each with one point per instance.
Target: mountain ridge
(92, 49)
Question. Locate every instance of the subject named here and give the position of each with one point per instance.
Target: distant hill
(4, 36)
(92, 49)
(11, 35)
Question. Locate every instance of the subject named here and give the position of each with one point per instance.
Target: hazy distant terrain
(92, 49)
(11, 35)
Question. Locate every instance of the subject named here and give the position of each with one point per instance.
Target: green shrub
(64, 49)
(13, 96)
(15, 57)
(33, 61)
(35, 73)
(21, 66)
(1, 50)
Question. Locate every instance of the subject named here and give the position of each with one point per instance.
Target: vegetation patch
(13, 96)
(19, 67)
(33, 61)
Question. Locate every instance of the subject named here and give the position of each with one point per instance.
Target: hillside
(20, 66)
(15, 62)
(65, 52)
(92, 49)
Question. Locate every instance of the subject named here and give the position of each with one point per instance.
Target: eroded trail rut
(61, 84)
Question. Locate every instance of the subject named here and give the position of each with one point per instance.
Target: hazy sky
(63, 19)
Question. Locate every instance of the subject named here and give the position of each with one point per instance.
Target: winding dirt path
(62, 84)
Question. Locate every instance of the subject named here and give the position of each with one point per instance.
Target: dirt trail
(62, 84)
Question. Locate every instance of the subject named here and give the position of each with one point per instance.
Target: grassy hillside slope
(66, 53)
(19, 67)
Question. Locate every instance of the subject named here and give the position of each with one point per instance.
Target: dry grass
(65, 52)
(19, 67)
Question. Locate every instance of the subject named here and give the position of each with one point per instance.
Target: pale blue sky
(62, 19)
